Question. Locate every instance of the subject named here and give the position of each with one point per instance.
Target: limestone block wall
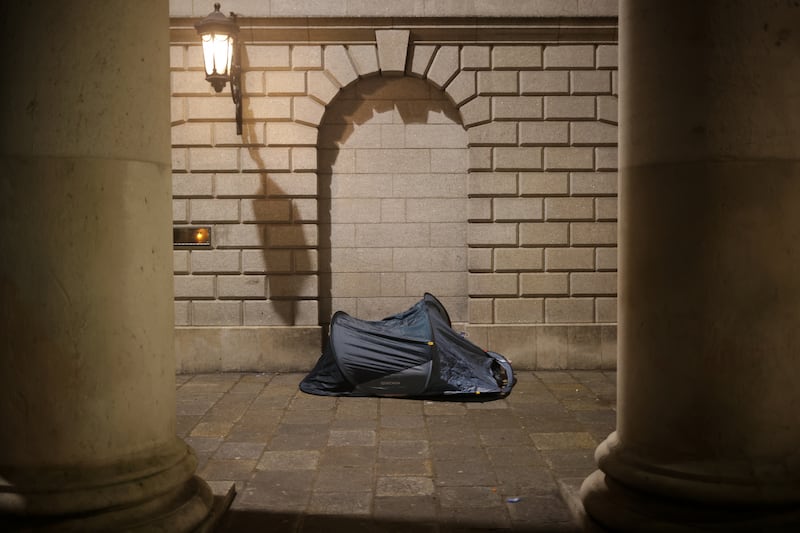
(379, 163)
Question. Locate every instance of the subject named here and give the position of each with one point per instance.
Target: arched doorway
(393, 200)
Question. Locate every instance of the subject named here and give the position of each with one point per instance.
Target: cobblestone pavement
(306, 463)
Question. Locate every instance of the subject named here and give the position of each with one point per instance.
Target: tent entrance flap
(415, 353)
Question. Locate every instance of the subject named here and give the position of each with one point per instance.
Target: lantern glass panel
(217, 53)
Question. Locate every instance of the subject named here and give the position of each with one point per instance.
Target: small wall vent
(191, 236)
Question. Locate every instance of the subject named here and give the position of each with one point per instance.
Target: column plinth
(157, 488)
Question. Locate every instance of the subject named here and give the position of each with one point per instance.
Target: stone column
(87, 401)
(708, 430)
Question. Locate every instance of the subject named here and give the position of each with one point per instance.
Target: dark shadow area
(280, 264)
(249, 521)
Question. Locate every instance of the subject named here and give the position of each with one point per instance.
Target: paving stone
(514, 455)
(472, 520)
(404, 449)
(340, 503)
(266, 499)
(547, 424)
(606, 418)
(269, 401)
(422, 508)
(256, 416)
(530, 479)
(202, 459)
(524, 398)
(280, 481)
(588, 404)
(348, 456)
(261, 377)
(351, 438)
(196, 404)
(392, 466)
(404, 486)
(248, 387)
(604, 389)
(227, 469)
(358, 408)
(239, 450)
(540, 509)
(307, 402)
(452, 435)
(563, 441)
(497, 420)
(229, 409)
(252, 431)
(475, 497)
(368, 423)
(555, 377)
(397, 407)
(506, 437)
(391, 434)
(444, 408)
(185, 423)
(573, 395)
(493, 405)
(307, 417)
(570, 463)
(289, 460)
(305, 430)
(554, 411)
(463, 473)
(344, 479)
(204, 444)
(212, 383)
(469, 452)
(211, 429)
(402, 422)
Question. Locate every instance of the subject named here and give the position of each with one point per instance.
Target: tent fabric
(415, 353)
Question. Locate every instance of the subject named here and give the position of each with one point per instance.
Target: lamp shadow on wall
(367, 100)
(283, 289)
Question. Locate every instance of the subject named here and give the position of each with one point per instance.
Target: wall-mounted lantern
(220, 38)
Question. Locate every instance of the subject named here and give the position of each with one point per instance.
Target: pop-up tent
(415, 353)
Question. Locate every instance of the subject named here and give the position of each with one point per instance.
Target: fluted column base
(631, 494)
(156, 491)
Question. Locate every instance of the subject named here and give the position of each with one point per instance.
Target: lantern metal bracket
(236, 80)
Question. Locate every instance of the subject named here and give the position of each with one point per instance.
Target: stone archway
(393, 199)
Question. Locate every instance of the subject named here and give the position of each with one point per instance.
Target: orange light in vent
(201, 236)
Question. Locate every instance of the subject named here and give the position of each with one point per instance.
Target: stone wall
(515, 141)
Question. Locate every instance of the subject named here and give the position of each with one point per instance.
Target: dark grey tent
(415, 353)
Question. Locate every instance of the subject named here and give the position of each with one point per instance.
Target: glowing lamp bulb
(201, 235)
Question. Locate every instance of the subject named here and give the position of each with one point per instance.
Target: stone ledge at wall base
(550, 346)
(297, 348)
(247, 349)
